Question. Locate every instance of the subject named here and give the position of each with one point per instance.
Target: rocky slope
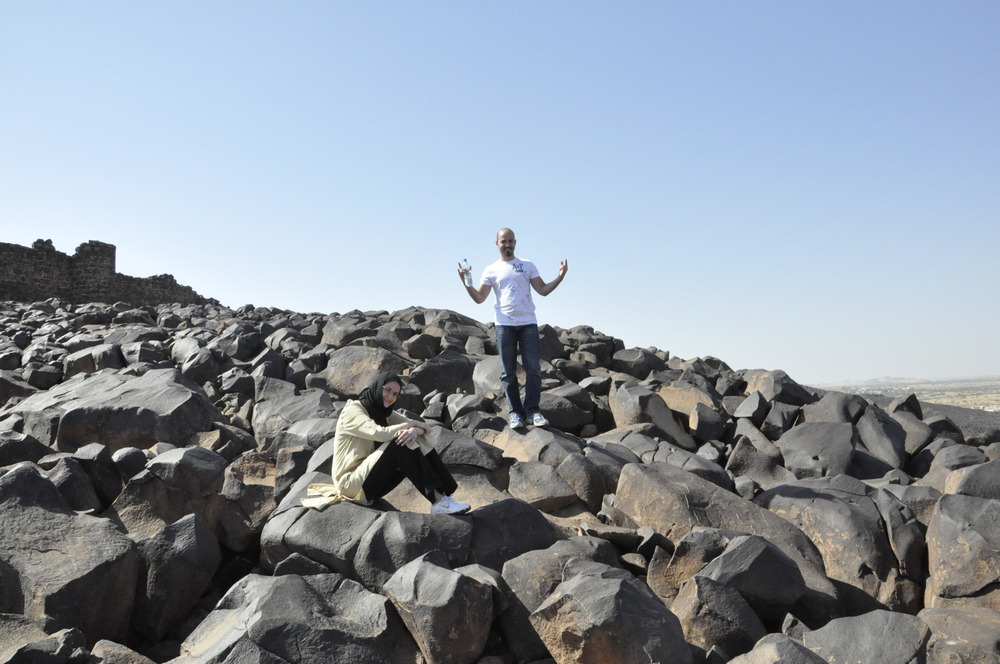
(152, 463)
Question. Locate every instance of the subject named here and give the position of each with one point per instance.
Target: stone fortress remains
(40, 272)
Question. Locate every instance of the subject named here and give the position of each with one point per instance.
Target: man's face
(506, 242)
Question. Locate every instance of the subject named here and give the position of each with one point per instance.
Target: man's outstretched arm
(478, 295)
(543, 288)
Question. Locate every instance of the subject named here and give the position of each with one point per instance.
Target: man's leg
(507, 344)
(531, 358)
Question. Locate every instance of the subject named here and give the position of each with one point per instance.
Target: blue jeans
(509, 338)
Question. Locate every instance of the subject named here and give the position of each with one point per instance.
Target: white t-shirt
(511, 283)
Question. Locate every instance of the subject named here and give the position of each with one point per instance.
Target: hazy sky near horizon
(783, 185)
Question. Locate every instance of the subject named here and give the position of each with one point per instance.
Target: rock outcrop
(153, 461)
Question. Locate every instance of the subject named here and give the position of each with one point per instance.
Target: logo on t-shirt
(519, 268)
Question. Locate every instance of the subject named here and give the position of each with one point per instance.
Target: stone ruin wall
(39, 272)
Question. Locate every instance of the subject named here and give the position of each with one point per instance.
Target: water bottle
(467, 272)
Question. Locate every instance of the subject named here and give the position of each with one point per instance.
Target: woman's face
(390, 392)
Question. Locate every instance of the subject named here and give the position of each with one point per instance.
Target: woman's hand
(408, 436)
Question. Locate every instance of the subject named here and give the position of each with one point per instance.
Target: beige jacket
(354, 454)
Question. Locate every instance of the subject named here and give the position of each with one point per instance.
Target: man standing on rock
(511, 280)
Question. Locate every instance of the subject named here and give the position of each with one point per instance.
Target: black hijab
(373, 401)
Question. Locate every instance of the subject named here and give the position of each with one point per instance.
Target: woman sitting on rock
(374, 449)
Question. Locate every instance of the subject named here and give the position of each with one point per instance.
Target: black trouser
(426, 472)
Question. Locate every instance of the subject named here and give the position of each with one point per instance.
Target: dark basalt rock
(153, 459)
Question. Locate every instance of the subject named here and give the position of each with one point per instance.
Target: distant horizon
(887, 380)
(856, 382)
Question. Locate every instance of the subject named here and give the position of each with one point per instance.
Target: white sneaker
(539, 420)
(448, 505)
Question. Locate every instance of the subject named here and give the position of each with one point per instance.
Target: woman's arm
(396, 418)
(411, 429)
(355, 421)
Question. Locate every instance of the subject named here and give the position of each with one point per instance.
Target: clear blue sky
(807, 186)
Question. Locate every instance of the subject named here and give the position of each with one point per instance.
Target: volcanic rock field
(153, 461)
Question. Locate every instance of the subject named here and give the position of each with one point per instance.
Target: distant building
(40, 272)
